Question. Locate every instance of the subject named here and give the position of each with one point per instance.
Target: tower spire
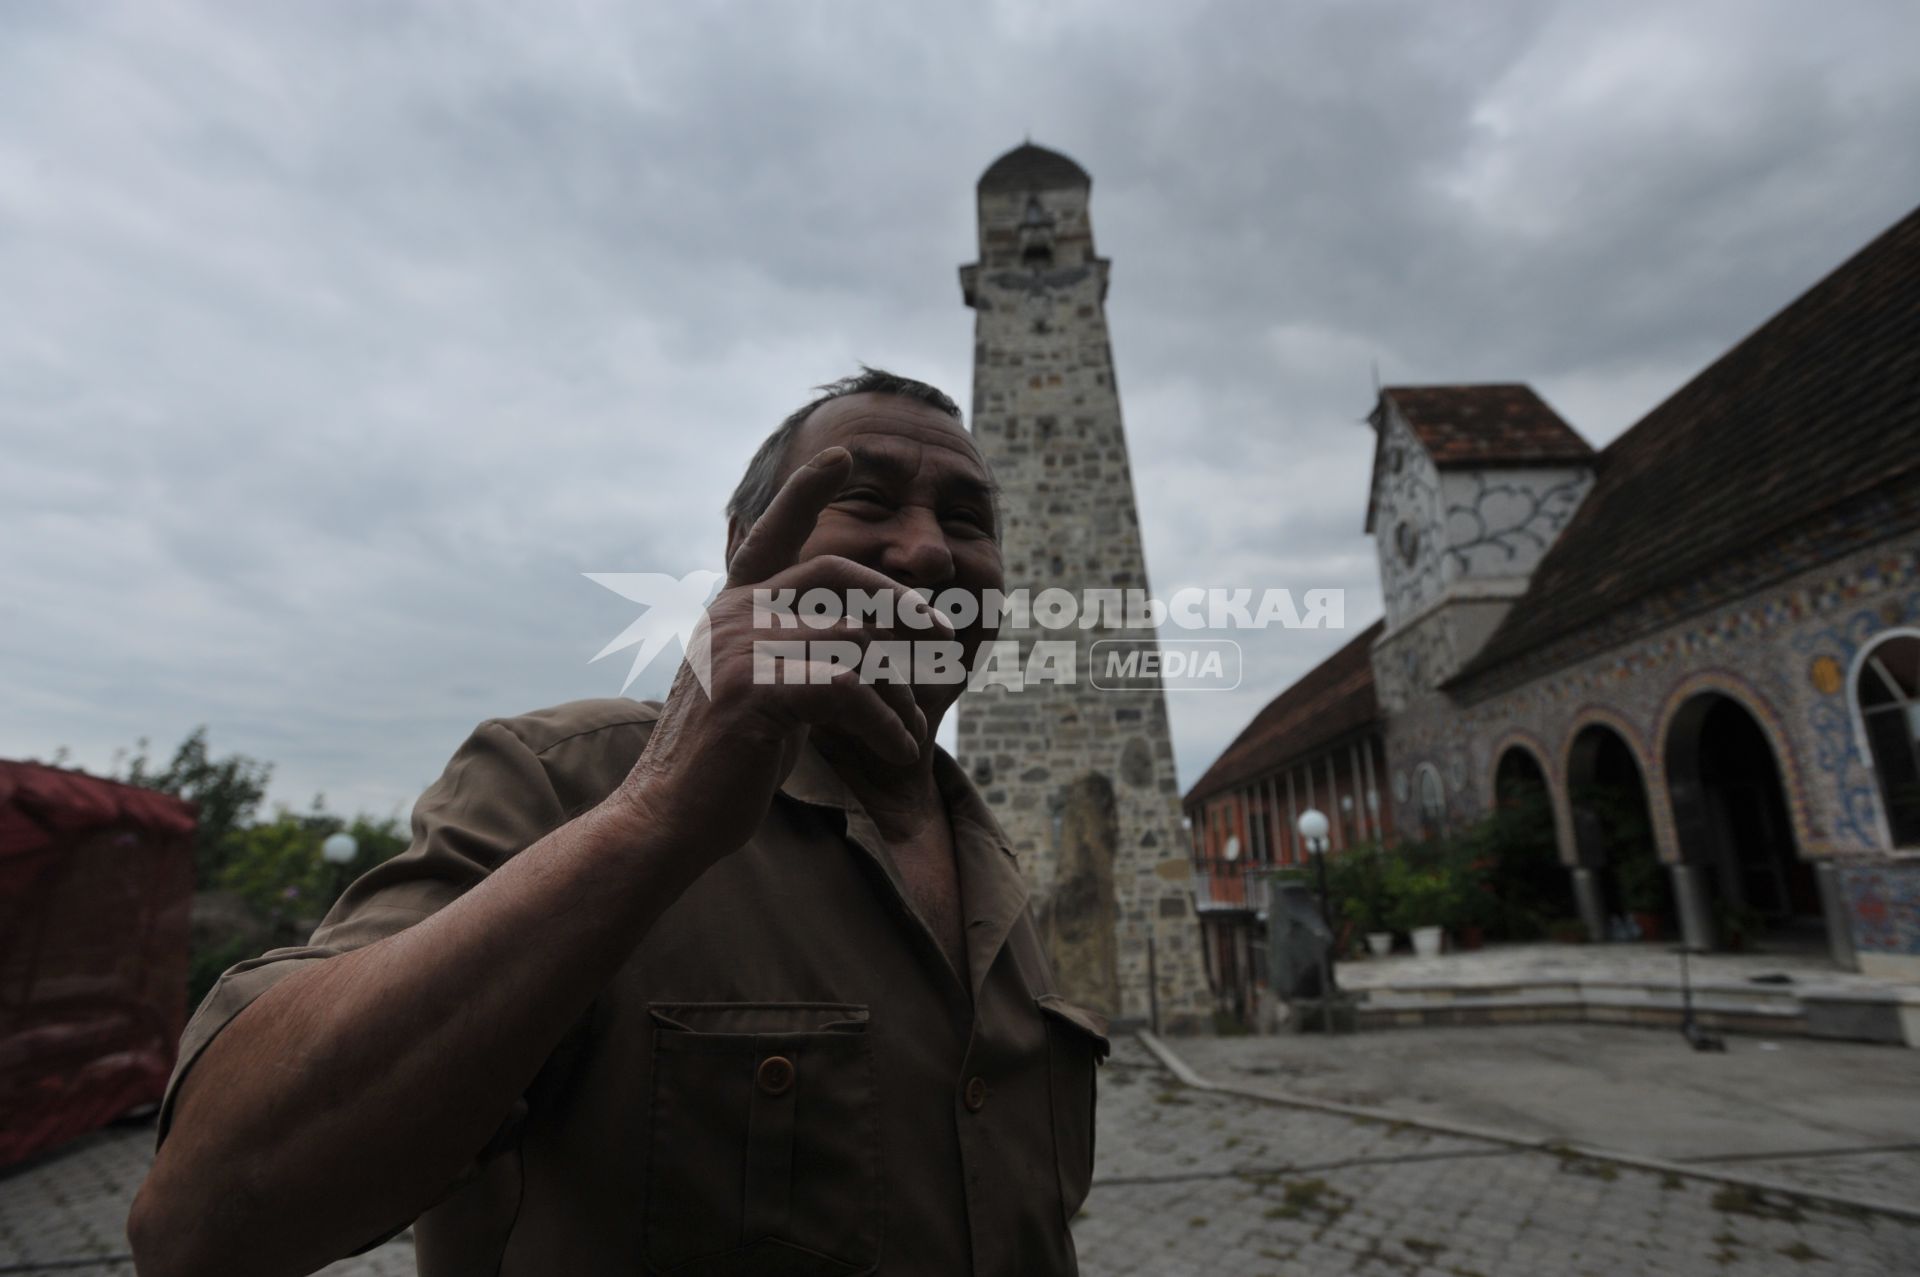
(1082, 779)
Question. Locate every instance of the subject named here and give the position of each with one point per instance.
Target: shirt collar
(993, 890)
(814, 781)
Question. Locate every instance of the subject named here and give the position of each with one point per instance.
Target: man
(740, 983)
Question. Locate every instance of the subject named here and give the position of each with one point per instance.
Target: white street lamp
(1313, 828)
(339, 849)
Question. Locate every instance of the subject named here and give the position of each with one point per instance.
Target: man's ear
(735, 535)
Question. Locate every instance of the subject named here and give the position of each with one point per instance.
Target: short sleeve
(494, 800)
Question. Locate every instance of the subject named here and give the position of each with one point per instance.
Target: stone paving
(1192, 1182)
(66, 1212)
(1831, 1117)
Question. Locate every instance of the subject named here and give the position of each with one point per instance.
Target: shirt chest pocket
(762, 1150)
(1076, 1044)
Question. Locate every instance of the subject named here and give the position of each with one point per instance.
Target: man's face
(917, 505)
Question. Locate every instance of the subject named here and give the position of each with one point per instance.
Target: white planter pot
(1380, 943)
(1426, 941)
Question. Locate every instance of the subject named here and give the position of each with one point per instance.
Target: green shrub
(205, 965)
(1424, 890)
(276, 866)
(1645, 886)
(1358, 888)
(1502, 875)
(1511, 883)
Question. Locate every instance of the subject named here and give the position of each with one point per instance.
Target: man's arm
(347, 1098)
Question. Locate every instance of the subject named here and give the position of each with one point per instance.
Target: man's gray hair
(768, 467)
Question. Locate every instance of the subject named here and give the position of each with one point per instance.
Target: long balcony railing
(1246, 889)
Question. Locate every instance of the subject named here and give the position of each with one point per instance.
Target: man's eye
(865, 502)
(969, 517)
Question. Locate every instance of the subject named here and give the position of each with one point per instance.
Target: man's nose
(916, 553)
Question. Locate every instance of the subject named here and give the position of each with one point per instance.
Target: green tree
(228, 792)
(276, 867)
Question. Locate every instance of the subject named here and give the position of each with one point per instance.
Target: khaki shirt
(786, 1075)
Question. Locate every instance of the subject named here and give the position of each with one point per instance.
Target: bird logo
(676, 609)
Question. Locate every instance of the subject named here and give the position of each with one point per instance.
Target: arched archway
(1518, 777)
(1613, 834)
(1534, 884)
(1731, 820)
(1886, 703)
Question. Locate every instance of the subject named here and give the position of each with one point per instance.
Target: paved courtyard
(1205, 1183)
(1824, 1116)
(1200, 1182)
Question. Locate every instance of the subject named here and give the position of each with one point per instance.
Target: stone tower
(1082, 779)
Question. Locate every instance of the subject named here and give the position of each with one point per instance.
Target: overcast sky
(338, 340)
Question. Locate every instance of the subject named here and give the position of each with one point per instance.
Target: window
(1406, 539)
(1433, 801)
(1888, 696)
(1036, 237)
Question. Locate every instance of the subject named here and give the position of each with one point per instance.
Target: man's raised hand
(715, 759)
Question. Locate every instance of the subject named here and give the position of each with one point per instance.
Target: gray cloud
(343, 338)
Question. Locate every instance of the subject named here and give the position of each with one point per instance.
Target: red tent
(96, 889)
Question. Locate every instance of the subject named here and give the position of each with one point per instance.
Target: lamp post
(339, 850)
(1313, 831)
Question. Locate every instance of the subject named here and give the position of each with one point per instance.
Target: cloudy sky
(339, 340)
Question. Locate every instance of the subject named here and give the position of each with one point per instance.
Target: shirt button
(976, 1094)
(776, 1075)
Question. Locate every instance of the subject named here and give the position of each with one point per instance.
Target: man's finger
(817, 693)
(831, 571)
(775, 539)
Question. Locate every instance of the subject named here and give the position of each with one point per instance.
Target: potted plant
(1365, 917)
(1738, 926)
(1358, 881)
(1644, 890)
(1422, 899)
(1475, 904)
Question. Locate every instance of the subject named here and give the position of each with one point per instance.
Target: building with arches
(1702, 642)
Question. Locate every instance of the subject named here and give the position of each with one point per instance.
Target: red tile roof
(1332, 700)
(1478, 426)
(1488, 425)
(1816, 408)
(38, 803)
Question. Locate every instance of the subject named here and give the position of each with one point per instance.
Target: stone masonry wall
(1082, 779)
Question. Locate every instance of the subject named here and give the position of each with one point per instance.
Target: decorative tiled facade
(1766, 651)
(1789, 655)
(1883, 901)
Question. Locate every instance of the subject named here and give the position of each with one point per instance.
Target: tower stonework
(1082, 779)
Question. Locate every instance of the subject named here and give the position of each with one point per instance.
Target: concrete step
(1645, 1007)
(1774, 996)
(1845, 1013)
